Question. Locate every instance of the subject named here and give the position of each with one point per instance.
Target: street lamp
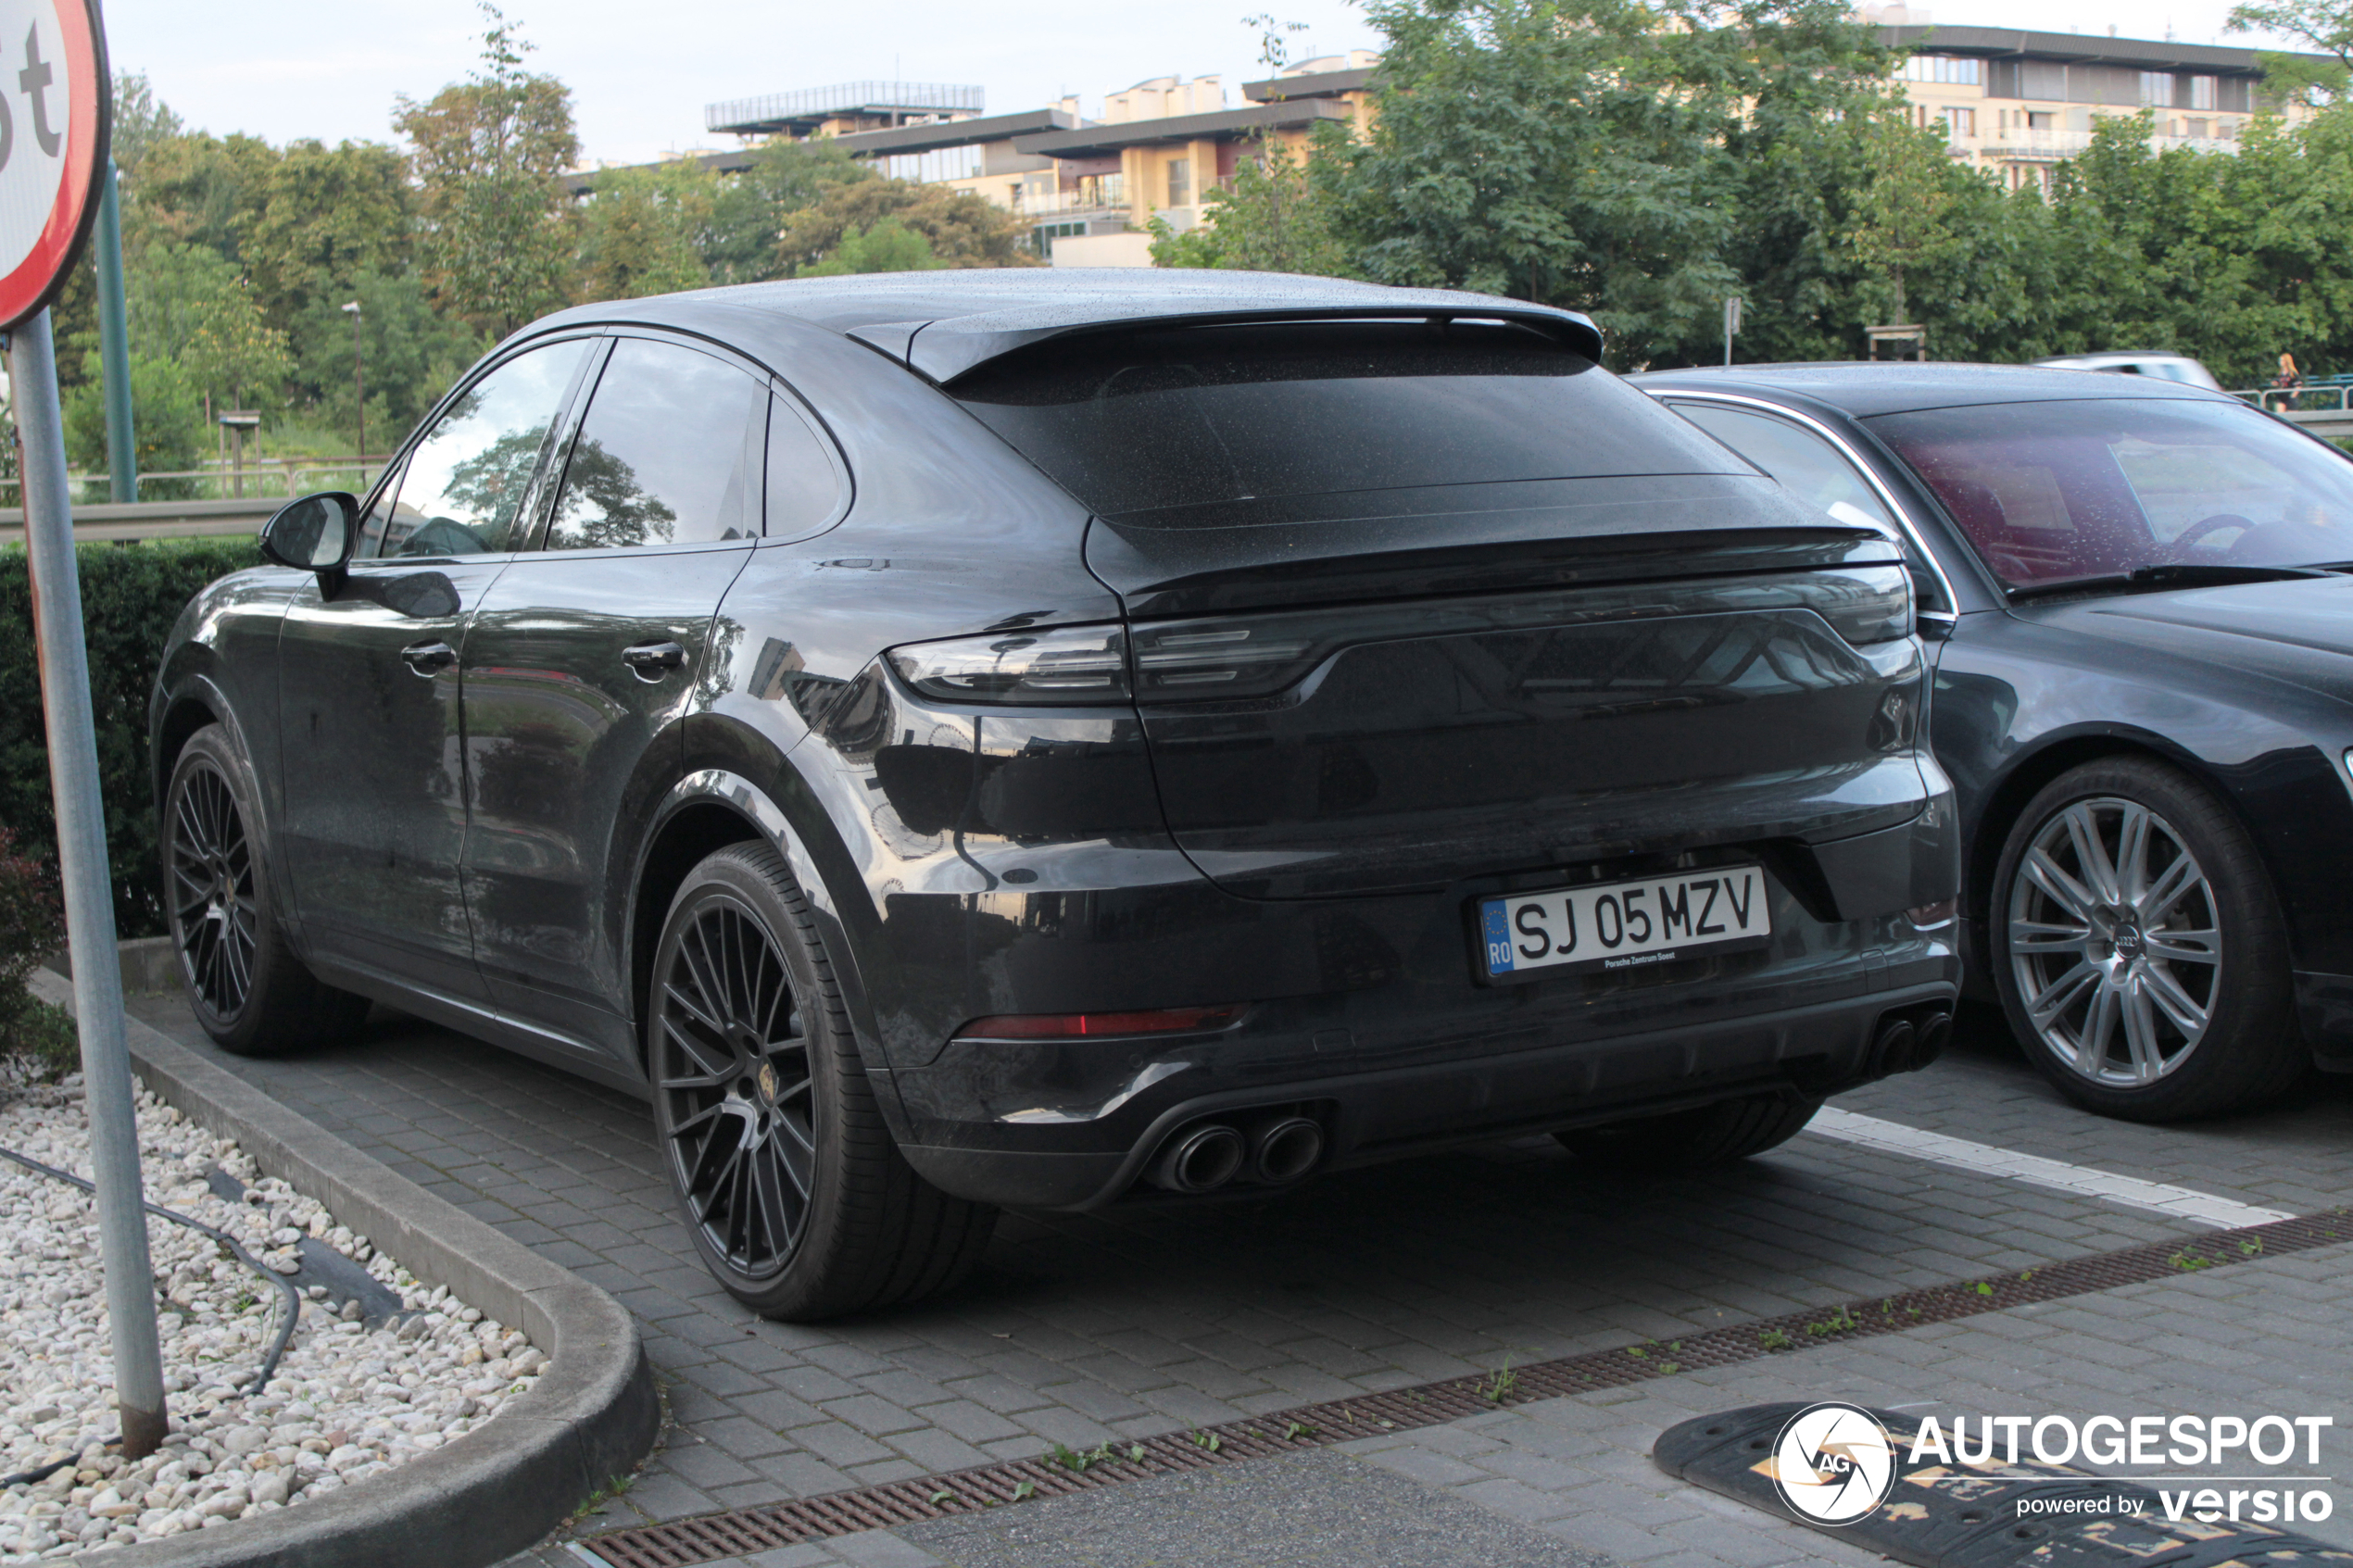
(360, 385)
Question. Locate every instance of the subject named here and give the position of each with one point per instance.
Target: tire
(249, 991)
(2139, 949)
(799, 1200)
(1694, 1139)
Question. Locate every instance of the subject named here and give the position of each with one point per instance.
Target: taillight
(1062, 665)
(1242, 657)
(1085, 1025)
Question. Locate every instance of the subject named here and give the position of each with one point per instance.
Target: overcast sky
(640, 73)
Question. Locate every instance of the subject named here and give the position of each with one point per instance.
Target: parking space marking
(2185, 1203)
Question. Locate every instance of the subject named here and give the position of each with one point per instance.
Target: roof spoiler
(945, 350)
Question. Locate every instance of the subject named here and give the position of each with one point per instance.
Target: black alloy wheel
(799, 1200)
(733, 1070)
(248, 988)
(2139, 951)
(212, 891)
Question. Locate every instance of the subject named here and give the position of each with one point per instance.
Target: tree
(497, 240)
(640, 231)
(411, 353)
(888, 246)
(168, 430)
(962, 229)
(1278, 218)
(738, 241)
(141, 119)
(2322, 26)
(1903, 222)
(198, 189)
(323, 216)
(187, 304)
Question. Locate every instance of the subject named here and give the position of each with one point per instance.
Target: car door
(580, 665)
(368, 685)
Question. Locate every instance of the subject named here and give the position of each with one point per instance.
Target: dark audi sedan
(2136, 598)
(1052, 738)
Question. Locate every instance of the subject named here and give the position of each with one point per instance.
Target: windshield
(1141, 423)
(2051, 492)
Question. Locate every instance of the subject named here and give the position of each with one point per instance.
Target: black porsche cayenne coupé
(1050, 738)
(2136, 599)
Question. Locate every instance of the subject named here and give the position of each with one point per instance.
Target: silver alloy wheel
(2115, 942)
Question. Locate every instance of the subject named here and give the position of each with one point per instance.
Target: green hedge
(130, 595)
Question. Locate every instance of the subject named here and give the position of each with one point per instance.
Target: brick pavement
(1083, 1329)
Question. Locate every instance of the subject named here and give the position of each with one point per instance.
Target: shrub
(31, 926)
(130, 595)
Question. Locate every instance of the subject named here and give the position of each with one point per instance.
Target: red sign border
(89, 139)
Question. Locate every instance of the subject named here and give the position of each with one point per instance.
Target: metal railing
(221, 480)
(848, 97)
(2311, 398)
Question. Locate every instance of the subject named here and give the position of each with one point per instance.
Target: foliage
(140, 121)
(130, 596)
(168, 422)
(962, 229)
(738, 242)
(1278, 218)
(2321, 26)
(487, 155)
(189, 306)
(410, 354)
(640, 228)
(32, 927)
(323, 217)
(886, 246)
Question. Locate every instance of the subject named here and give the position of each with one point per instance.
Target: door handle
(429, 659)
(652, 661)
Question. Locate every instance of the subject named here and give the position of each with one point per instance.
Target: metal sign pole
(89, 891)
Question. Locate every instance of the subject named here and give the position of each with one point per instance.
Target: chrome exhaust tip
(1200, 1160)
(1286, 1149)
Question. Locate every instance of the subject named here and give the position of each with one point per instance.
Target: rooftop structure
(845, 107)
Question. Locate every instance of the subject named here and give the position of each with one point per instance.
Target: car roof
(1862, 388)
(944, 323)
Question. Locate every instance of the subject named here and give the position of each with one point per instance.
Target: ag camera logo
(1833, 1463)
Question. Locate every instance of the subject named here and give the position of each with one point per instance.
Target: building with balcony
(2017, 103)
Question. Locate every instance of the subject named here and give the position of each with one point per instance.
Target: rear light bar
(1240, 657)
(1088, 1026)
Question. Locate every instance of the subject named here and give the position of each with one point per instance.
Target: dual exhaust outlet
(1907, 1041)
(1274, 1150)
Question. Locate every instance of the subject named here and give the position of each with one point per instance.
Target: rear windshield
(1206, 415)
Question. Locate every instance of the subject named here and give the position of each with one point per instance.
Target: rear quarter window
(1139, 422)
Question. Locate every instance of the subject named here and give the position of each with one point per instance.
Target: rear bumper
(1072, 1125)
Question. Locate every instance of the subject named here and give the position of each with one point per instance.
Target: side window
(1811, 468)
(664, 456)
(464, 484)
(804, 488)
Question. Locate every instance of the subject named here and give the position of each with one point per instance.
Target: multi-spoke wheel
(2138, 948)
(799, 1201)
(212, 890)
(248, 989)
(733, 1070)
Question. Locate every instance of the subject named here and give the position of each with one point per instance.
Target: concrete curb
(501, 1488)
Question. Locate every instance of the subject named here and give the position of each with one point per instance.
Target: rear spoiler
(945, 350)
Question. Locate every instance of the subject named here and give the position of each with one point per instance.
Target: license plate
(1620, 925)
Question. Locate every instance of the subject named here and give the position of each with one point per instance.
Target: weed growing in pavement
(1773, 1339)
(943, 1496)
(1135, 1453)
(1839, 1322)
(2251, 1247)
(1208, 1440)
(2189, 1261)
(1297, 1432)
(1025, 1491)
(1498, 1385)
(1982, 1288)
(1079, 1463)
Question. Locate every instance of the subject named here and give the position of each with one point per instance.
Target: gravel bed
(348, 1399)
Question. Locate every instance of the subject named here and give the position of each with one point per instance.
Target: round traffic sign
(55, 112)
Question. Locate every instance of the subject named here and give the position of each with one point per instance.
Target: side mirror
(316, 534)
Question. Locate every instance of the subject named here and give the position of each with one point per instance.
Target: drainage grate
(744, 1531)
